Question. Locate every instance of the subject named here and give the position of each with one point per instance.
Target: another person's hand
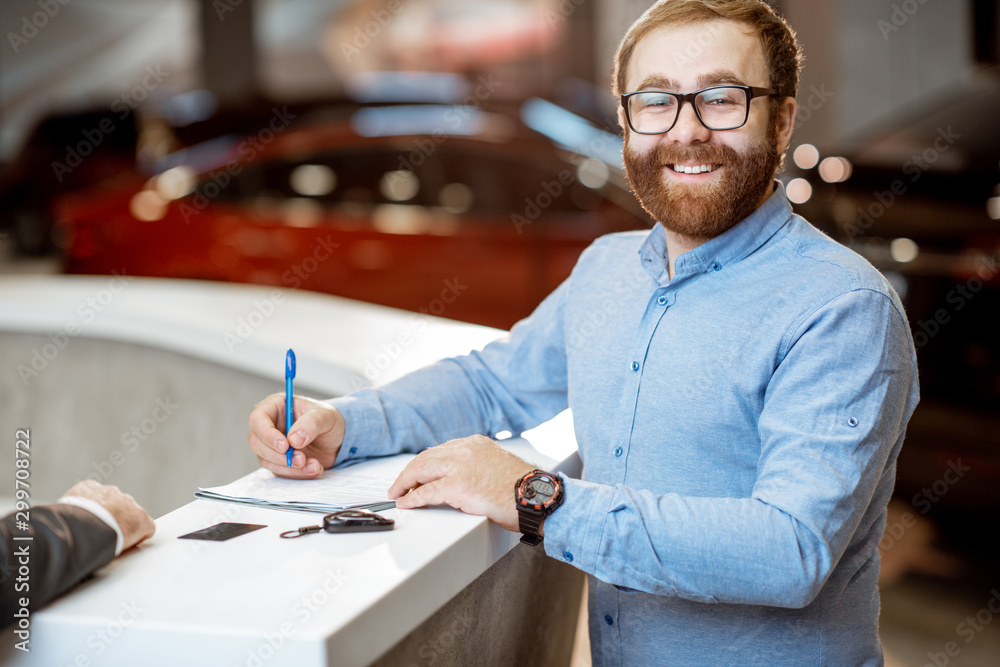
(474, 474)
(135, 523)
(316, 435)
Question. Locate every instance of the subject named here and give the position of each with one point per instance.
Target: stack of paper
(362, 486)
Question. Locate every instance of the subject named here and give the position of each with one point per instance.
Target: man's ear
(785, 122)
(622, 123)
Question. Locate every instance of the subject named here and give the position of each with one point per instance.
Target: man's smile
(693, 168)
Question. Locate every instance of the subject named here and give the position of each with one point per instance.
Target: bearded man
(739, 411)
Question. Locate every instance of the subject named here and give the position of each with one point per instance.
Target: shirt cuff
(101, 512)
(364, 428)
(573, 531)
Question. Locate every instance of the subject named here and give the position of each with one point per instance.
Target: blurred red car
(453, 210)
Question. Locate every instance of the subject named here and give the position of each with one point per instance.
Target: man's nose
(688, 129)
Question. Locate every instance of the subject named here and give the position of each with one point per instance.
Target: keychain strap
(344, 521)
(299, 532)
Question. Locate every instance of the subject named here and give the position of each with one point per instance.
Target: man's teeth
(697, 169)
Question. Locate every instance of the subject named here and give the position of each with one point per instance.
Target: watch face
(542, 488)
(539, 490)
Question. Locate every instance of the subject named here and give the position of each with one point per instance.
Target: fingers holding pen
(316, 435)
(265, 439)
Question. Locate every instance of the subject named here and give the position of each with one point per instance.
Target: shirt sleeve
(101, 512)
(513, 384)
(67, 544)
(834, 416)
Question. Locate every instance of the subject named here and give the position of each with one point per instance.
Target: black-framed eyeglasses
(717, 107)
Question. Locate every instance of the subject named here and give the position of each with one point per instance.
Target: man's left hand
(474, 474)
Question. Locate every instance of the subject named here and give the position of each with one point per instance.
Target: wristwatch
(537, 495)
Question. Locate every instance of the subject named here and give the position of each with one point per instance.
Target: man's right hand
(316, 435)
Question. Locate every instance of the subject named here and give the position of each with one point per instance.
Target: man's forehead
(687, 58)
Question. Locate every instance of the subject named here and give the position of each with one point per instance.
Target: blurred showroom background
(454, 157)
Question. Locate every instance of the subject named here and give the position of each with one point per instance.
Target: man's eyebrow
(719, 77)
(657, 82)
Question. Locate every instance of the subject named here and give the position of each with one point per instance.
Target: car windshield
(457, 179)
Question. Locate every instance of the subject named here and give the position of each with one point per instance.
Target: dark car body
(447, 209)
(62, 153)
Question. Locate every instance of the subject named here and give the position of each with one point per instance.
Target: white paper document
(361, 486)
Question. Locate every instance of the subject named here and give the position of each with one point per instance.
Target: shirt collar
(727, 248)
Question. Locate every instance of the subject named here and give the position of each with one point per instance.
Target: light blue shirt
(739, 427)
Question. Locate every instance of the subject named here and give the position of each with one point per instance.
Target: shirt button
(716, 266)
(618, 451)
(568, 556)
(609, 620)
(352, 451)
(662, 301)
(635, 366)
(852, 422)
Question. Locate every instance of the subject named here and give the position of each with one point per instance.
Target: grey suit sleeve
(68, 544)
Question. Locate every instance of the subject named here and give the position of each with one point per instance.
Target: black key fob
(355, 521)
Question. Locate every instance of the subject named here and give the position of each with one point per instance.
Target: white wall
(155, 423)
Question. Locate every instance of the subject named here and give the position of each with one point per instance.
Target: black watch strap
(531, 515)
(529, 524)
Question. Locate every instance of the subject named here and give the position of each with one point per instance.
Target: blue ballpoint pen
(289, 375)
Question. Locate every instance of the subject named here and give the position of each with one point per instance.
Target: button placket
(629, 398)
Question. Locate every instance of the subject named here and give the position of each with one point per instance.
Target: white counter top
(317, 600)
(257, 599)
(245, 327)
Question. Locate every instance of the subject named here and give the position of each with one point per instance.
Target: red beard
(705, 210)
